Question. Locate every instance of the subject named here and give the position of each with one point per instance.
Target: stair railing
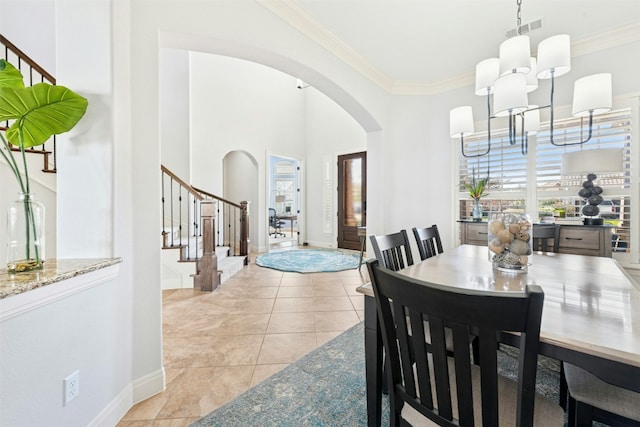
(32, 73)
(232, 223)
(191, 220)
(181, 216)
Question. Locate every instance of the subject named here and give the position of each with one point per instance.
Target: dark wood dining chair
(593, 399)
(392, 250)
(428, 240)
(427, 382)
(541, 235)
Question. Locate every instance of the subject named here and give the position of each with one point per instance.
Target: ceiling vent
(525, 28)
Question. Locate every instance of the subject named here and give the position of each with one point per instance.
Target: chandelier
(506, 81)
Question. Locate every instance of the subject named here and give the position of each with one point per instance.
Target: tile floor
(219, 344)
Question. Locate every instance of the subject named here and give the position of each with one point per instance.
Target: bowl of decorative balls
(509, 241)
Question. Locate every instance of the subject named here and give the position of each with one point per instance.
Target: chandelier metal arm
(488, 134)
(590, 133)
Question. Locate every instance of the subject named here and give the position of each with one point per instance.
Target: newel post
(207, 278)
(244, 229)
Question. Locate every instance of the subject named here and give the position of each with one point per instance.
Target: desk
(591, 313)
(289, 218)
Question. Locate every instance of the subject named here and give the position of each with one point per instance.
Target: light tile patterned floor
(219, 344)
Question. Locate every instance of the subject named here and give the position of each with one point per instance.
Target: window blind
(557, 194)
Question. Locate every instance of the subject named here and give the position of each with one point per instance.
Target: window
(555, 192)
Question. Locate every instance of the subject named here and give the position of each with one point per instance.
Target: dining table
(590, 316)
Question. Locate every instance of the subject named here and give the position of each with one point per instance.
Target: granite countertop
(54, 270)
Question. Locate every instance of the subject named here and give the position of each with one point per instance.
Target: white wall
(41, 346)
(329, 132)
(174, 111)
(39, 14)
(242, 106)
(91, 331)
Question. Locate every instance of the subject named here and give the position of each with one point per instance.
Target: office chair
(275, 223)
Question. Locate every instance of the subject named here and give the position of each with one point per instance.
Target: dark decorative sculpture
(592, 195)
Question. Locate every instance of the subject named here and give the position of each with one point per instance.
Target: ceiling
(420, 45)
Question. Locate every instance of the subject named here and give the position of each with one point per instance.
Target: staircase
(193, 220)
(33, 73)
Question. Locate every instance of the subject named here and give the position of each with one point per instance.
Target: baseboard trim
(137, 391)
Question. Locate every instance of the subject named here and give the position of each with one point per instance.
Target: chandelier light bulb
(554, 56)
(515, 55)
(592, 94)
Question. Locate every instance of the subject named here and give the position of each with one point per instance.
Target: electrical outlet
(71, 387)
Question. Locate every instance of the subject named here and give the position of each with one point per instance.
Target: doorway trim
(299, 195)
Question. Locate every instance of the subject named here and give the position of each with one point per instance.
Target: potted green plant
(35, 113)
(476, 190)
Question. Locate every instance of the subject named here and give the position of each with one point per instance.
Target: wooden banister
(213, 196)
(48, 149)
(25, 58)
(191, 220)
(179, 180)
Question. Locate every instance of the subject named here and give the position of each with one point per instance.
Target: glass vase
(25, 234)
(510, 241)
(476, 212)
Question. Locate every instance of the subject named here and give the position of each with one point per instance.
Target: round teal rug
(309, 260)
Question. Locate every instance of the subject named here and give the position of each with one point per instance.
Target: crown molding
(629, 33)
(440, 86)
(299, 19)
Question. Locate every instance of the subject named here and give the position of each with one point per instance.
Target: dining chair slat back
(426, 380)
(428, 240)
(541, 235)
(392, 250)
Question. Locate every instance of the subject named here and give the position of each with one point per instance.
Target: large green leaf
(10, 76)
(40, 111)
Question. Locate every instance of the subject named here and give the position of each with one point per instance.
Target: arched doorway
(240, 183)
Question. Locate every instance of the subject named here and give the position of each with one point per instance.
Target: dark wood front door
(352, 198)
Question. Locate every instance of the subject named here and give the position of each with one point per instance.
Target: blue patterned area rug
(324, 388)
(309, 260)
(327, 387)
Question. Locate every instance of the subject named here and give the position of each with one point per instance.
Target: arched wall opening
(240, 183)
(193, 49)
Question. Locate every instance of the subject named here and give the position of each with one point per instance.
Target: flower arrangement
(36, 113)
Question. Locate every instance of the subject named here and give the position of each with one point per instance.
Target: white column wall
(174, 111)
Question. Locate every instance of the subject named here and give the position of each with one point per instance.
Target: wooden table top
(590, 303)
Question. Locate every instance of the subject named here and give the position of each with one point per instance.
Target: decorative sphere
(591, 176)
(584, 192)
(496, 246)
(519, 247)
(505, 236)
(596, 189)
(587, 184)
(591, 210)
(495, 227)
(595, 199)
